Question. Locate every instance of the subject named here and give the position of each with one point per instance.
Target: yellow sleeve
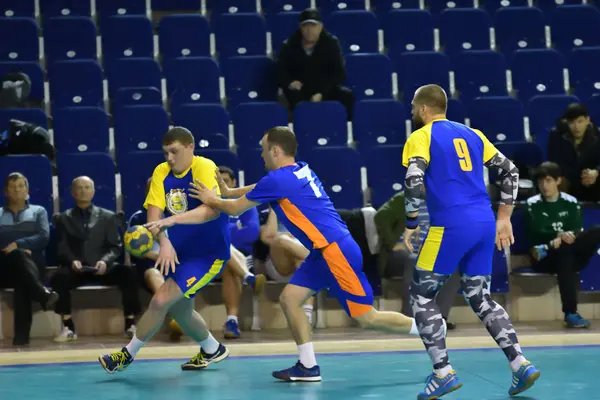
(204, 170)
(489, 150)
(156, 194)
(417, 145)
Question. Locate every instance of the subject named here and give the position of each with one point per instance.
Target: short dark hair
(178, 134)
(432, 96)
(574, 111)
(228, 171)
(546, 169)
(14, 176)
(284, 138)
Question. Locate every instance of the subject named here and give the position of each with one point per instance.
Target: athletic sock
(443, 372)
(232, 318)
(307, 355)
(308, 310)
(209, 345)
(134, 346)
(517, 362)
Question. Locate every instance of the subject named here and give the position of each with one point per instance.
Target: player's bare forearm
(240, 191)
(509, 182)
(413, 187)
(233, 207)
(505, 211)
(198, 215)
(154, 214)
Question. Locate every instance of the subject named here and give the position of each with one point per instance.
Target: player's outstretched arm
(229, 206)
(198, 215)
(239, 191)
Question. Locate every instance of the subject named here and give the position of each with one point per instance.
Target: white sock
(444, 371)
(210, 344)
(414, 330)
(134, 346)
(307, 355)
(308, 310)
(232, 318)
(517, 362)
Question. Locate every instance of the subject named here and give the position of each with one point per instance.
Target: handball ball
(138, 240)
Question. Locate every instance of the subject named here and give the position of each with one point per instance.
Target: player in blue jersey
(190, 257)
(447, 158)
(335, 261)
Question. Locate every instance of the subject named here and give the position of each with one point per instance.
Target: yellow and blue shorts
(191, 275)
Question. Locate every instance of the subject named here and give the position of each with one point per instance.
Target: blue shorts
(468, 247)
(338, 267)
(191, 275)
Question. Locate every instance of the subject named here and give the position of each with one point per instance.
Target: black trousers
(338, 93)
(19, 271)
(567, 261)
(124, 277)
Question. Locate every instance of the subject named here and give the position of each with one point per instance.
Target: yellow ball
(138, 240)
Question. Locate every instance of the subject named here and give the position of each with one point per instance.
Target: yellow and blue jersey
(454, 178)
(297, 196)
(169, 192)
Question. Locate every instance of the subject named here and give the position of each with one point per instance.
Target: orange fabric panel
(297, 218)
(357, 309)
(342, 271)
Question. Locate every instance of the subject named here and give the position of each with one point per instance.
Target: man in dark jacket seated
(311, 65)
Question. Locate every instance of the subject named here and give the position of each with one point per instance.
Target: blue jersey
(245, 230)
(297, 196)
(454, 183)
(169, 192)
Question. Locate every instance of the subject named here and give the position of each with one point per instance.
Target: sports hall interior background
(105, 79)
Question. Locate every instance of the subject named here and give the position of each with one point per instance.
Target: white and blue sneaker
(299, 373)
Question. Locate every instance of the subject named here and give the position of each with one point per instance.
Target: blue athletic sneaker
(231, 330)
(576, 321)
(256, 282)
(436, 386)
(299, 373)
(117, 361)
(203, 360)
(523, 379)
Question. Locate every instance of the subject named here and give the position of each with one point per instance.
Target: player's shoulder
(569, 198)
(534, 200)
(161, 171)
(203, 162)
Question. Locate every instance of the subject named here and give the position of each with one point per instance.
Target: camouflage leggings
(476, 289)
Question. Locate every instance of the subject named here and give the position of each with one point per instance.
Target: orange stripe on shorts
(342, 271)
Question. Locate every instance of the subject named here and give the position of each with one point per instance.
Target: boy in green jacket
(559, 244)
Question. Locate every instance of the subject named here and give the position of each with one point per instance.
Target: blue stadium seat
(383, 7)
(328, 7)
(243, 34)
(521, 245)
(132, 72)
(320, 124)
(408, 30)
(538, 72)
(338, 168)
(69, 38)
(198, 75)
(593, 105)
(493, 6)
(369, 76)
(549, 6)
(462, 29)
(438, 6)
(343, 25)
(209, 123)
(275, 6)
(127, 36)
(523, 154)
(81, 129)
(575, 26)
(33, 70)
(378, 122)
(249, 79)
(480, 73)
(233, 7)
(252, 164)
(584, 71)
(543, 112)
(109, 8)
(282, 25)
(23, 46)
(385, 173)
(519, 28)
(65, 8)
(499, 118)
(183, 36)
(132, 96)
(456, 111)
(225, 158)
(420, 68)
(139, 128)
(175, 5)
(32, 115)
(100, 167)
(590, 276)
(135, 169)
(75, 83)
(38, 171)
(17, 8)
(252, 120)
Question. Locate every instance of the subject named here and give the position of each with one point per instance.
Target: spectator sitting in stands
(311, 65)
(574, 144)
(24, 234)
(559, 244)
(89, 244)
(244, 232)
(395, 260)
